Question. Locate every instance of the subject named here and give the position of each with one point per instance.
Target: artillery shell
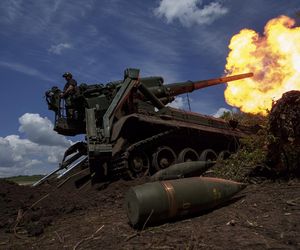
(181, 170)
(158, 201)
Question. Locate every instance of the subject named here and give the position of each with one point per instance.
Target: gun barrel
(189, 86)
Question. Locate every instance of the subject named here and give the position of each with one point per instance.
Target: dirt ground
(266, 216)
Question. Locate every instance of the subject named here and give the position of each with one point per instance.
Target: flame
(274, 58)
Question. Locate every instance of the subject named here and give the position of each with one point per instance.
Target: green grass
(24, 179)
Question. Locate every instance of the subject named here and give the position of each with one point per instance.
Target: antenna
(188, 100)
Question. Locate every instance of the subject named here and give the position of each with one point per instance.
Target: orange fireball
(274, 58)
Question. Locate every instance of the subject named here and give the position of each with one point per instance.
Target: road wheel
(208, 155)
(163, 158)
(138, 164)
(187, 154)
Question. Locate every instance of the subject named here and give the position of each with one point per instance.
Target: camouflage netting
(284, 123)
(285, 117)
(274, 151)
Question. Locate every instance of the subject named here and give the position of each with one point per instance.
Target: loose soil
(265, 216)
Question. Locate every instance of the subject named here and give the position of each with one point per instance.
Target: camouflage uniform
(69, 97)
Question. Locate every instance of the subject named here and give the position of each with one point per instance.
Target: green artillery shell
(180, 170)
(158, 201)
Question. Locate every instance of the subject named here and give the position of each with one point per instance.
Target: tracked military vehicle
(131, 132)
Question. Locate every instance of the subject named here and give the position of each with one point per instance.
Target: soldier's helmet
(66, 74)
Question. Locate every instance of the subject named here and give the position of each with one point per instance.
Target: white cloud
(178, 103)
(221, 111)
(40, 152)
(58, 49)
(181, 103)
(6, 153)
(40, 130)
(190, 12)
(21, 156)
(13, 10)
(33, 17)
(27, 70)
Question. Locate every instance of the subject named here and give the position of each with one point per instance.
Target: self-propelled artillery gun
(131, 131)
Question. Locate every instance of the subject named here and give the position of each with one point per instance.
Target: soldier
(68, 93)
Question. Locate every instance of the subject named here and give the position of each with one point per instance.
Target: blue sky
(96, 40)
